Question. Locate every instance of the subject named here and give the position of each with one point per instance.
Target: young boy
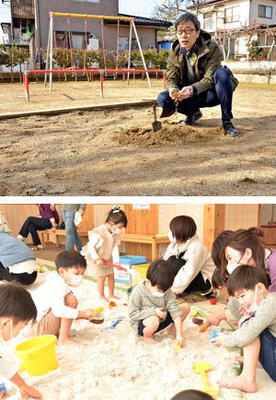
(257, 332)
(153, 305)
(16, 310)
(55, 302)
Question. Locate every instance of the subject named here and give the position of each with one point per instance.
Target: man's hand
(99, 262)
(173, 92)
(185, 93)
(161, 314)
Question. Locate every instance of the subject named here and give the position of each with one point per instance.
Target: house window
(232, 14)
(124, 44)
(209, 21)
(265, 11)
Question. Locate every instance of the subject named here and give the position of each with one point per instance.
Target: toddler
(153, 305)
(103, 245)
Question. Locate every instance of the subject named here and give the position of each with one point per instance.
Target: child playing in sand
(103, 245)
(191, 261)
(192, 394)
(153, 305)
(55, 302)
(16, 310)
(257, 332)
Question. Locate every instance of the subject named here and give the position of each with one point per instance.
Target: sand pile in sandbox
(114, 364)
(172, 133)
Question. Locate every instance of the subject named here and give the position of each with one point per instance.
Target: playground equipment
(50, 46)
(38, 354)
(201, 368)
(49, 57)
(101, 72)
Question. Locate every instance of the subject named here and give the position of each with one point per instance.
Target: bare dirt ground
(116, 152)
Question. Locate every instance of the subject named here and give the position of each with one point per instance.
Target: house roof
(206, 3)
(141, 21)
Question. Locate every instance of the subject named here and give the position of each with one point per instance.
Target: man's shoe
(192, 118)
(229, 129)
(166, 113)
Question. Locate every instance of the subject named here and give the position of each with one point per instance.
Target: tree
(170, 9)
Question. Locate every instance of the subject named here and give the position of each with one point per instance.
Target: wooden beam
(93, 107)
(213, 223)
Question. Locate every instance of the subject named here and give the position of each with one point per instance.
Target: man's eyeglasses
(186, 31)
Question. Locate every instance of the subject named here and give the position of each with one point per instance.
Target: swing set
(52, 41)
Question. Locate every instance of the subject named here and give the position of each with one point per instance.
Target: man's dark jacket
(206, 60)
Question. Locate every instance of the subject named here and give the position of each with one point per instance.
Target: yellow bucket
(142, 270)
(38, 354)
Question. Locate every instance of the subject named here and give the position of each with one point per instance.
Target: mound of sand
(171, 133)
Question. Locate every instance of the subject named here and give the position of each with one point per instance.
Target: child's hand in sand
(217, 341)
(216, 319)
(100, 262)
(173, 92)
(29, 391)
(161, 314)
(86, 314)
(180, 340)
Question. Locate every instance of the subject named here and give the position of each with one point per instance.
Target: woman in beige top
(103, 245)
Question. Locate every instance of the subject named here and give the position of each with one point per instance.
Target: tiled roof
(141, 21)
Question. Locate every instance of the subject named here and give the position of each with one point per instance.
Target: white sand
(116, 364)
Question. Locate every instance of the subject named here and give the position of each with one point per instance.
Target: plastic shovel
(156, 125)
(201, 368)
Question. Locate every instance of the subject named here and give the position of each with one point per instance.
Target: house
(29, 16)
(5, 22)
(235, 23)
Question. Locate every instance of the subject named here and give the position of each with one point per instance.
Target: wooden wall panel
(168, 211)
(17, 213)
(213, 223)
(241, 216)
(141, 221)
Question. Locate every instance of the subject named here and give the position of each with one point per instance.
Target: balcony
(23, 9)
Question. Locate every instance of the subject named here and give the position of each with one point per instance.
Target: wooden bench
(44, 235)
(153, 240)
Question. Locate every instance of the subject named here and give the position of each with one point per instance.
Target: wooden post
(213, 223)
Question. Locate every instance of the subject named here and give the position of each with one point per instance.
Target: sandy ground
(116, 152)
(116, 365)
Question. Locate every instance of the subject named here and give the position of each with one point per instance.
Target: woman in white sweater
(191, 261)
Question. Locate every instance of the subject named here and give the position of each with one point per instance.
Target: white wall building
(5, 21)
(233, 19)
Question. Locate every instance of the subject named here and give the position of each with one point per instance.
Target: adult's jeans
(72, 237)
(221, 94)
(34, 224)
